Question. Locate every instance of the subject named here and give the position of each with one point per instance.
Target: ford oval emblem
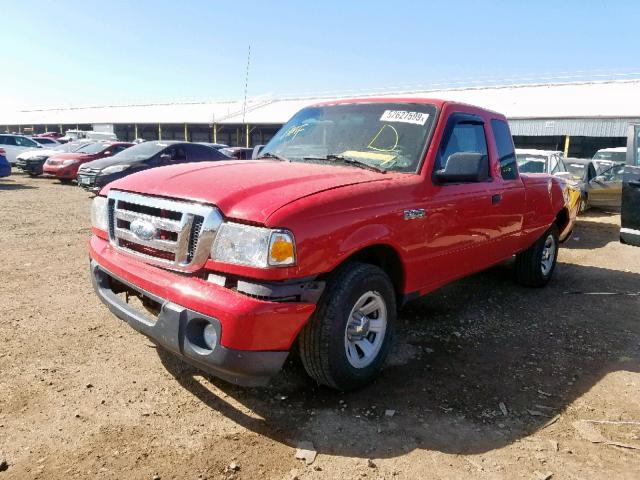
(143, 229)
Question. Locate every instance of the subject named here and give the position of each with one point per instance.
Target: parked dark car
(94, 175)
(5, 166)
(630, 209)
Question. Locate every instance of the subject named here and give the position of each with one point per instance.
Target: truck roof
(438, 102)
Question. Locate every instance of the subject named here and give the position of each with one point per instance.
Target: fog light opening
(202, 336)
(210, 336)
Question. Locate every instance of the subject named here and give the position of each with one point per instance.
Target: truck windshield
(531, 163)
(389, 136)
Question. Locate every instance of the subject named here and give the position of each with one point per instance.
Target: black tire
(529, 264)
(65, 181)
(322, 342)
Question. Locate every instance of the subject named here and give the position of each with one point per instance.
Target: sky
(68, 53)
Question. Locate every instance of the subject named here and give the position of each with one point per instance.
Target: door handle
(496, 199)
(634, 183)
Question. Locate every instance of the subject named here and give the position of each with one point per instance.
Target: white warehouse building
(578, 118)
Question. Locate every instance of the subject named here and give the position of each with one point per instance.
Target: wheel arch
(564, 222)
(384, 256)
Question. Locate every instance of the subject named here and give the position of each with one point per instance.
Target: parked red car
(65, 165)
(352, 209)
(54, 135)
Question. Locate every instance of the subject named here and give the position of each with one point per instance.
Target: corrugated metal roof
(585, 127)
(600, 101)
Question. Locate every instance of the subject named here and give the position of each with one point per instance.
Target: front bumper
(93, 182)
(66, 172)
(254, 336)
(32, 167)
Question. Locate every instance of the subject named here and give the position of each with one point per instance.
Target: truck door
(459, 220)
(630, 219)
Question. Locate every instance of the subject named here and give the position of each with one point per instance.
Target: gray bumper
(178, 329)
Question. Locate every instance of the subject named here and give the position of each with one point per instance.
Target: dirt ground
(488, 379)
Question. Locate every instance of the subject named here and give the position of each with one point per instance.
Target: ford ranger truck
(352, 209)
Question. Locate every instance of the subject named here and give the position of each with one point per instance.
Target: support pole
(19, 129)
(247, 136)
(186, 133)
(215, 133)
(135, 131)
(159, 132)
(61, 132)
(567, 140)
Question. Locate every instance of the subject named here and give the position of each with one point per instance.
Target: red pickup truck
(353, 208)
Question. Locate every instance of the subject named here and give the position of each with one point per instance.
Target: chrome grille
(168, 233)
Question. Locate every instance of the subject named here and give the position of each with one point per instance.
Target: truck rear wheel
(535, 266)
(346, 341)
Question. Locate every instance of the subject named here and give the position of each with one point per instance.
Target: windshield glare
(92, 148)
(390, 136)
(531, 163)
(142, 151)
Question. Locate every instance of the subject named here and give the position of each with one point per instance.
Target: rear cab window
(506, 149)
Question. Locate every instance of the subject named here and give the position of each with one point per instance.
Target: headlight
(115, 169)
(253, 246)
(100, 214)
(69, 162)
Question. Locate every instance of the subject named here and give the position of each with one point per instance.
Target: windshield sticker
(417, 118)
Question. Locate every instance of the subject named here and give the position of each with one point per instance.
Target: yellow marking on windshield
(293, 132)
(381, 157)
(373, 140)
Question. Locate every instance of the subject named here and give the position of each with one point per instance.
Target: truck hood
(247, 190)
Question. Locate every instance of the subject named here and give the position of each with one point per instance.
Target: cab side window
(25, 142)
(506, 150)
(464, 136)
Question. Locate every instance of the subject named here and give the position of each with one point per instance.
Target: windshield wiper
(349, 161)
(273, 156)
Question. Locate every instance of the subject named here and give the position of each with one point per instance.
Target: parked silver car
(14, 145)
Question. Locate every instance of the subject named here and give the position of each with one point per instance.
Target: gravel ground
(487, 380)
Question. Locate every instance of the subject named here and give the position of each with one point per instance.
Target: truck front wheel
(346, 341)
(535, 266)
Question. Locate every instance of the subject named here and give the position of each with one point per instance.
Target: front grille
(169, 233)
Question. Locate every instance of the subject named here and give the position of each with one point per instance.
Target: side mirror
(165, 158)
(107, 153)
(464, 167)
(256, 151)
